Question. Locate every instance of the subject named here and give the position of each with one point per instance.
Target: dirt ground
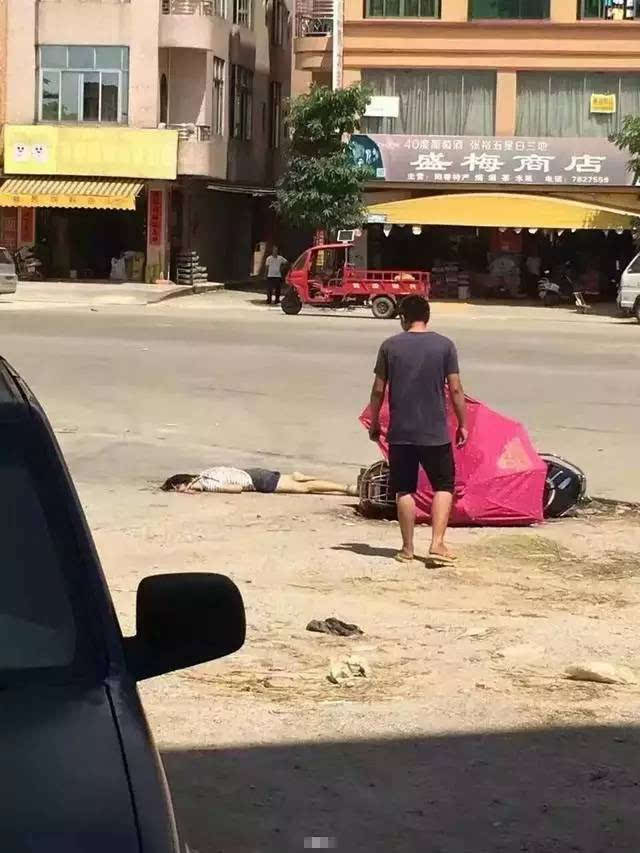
(464, 737)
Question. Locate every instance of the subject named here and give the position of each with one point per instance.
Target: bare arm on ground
(459, 406)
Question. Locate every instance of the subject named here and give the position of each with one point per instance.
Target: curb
(210, 287)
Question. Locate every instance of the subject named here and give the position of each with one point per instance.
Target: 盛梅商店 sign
(490, 160)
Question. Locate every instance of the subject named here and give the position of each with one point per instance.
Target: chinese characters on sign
(27, 226)
(155, 219)
(496, 160)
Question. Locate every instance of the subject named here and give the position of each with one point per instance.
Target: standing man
(274, 264)
(416, 365)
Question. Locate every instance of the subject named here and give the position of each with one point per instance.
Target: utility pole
(337, 42)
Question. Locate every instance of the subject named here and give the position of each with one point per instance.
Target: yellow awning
(502, 210)
(96, 195)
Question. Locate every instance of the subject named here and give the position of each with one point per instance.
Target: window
(243, 12)
(403, 8)
(621, 10)
(37, 625)
(559, 103)
(275, 129)
(279, 22)
(220, 8)
(435, 102)
(217, 107)
(241, 102)
(526, 9)
(84, 84)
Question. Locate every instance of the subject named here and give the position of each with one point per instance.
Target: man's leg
(440, 512)
(278, 284)
(439, 467)
(403, 469)
(407, 519)
(298, 484)
(269, 290)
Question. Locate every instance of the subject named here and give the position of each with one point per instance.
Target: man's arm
(377, 398)
(459, 406)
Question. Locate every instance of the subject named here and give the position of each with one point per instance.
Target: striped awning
(67, 192)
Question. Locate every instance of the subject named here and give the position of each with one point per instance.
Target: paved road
(136, 393)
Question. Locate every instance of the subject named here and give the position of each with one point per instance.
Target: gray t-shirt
(415, 366)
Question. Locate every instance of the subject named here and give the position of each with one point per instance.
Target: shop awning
(94, 195)
(500, 210)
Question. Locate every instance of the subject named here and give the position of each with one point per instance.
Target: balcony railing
(314, 18)
(192, 132)
(188, 7)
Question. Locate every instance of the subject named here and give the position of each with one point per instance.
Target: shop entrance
(80, 244)
(502, 262)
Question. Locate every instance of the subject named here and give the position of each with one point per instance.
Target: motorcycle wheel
(291, 303)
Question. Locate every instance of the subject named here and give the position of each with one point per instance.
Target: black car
(80, 772)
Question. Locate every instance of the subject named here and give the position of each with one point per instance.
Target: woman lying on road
(235, 480)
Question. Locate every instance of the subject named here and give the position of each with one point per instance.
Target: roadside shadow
(547, 790)
(365, 550)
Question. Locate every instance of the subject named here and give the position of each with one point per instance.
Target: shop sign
(383, 106)
(602, 104)
(155, 218)
(491, 160)
(27, 226)
(114, 152)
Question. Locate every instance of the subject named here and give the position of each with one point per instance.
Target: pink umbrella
(499, 476)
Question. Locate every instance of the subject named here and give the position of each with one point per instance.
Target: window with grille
(275, 129)
(279, 20)
(524, 9)
(242, 12)
(217, 106)
(621, 10)
(241, 102)
(83, 83)
(403, 8)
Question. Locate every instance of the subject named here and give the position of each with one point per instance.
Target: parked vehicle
(8, 276)
(323, 276)
(629, 290)
(28, 265)
(562, 287)
(80, 768)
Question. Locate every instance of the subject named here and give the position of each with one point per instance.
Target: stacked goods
(446, 279)
(189, 271)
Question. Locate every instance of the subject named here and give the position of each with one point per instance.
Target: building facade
(516, 98)
(140, 129)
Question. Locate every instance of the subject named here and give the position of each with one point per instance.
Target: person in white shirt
(274, 264)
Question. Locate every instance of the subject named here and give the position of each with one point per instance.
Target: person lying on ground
(233, 481)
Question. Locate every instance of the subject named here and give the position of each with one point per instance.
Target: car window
(37, 626)
(634, 266)
(300, 263)
(5, 257)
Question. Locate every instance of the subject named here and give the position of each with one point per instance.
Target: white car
(8, 277)
(629, 290)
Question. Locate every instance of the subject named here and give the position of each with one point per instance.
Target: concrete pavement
(95, 294)
(143, 391)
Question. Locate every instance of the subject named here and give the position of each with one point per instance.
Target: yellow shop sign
(602, 104)
(109, 152)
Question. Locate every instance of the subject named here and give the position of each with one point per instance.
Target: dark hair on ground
(415, 309)
(172, 483)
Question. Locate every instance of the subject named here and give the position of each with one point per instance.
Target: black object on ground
(334, 626)
(565, 486)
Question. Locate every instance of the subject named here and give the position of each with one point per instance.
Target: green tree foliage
(628, 139)
(322, 187)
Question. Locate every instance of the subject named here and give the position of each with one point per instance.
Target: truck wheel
(636, 310)
(291, 303)
(383, 308)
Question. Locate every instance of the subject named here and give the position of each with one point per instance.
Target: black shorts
(437, 462)
(263, 480)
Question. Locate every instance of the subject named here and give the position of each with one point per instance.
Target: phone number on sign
(589, 179)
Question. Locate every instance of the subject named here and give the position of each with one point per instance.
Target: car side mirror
(182, 620)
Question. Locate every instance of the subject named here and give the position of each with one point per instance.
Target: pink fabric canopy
(499, 476)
